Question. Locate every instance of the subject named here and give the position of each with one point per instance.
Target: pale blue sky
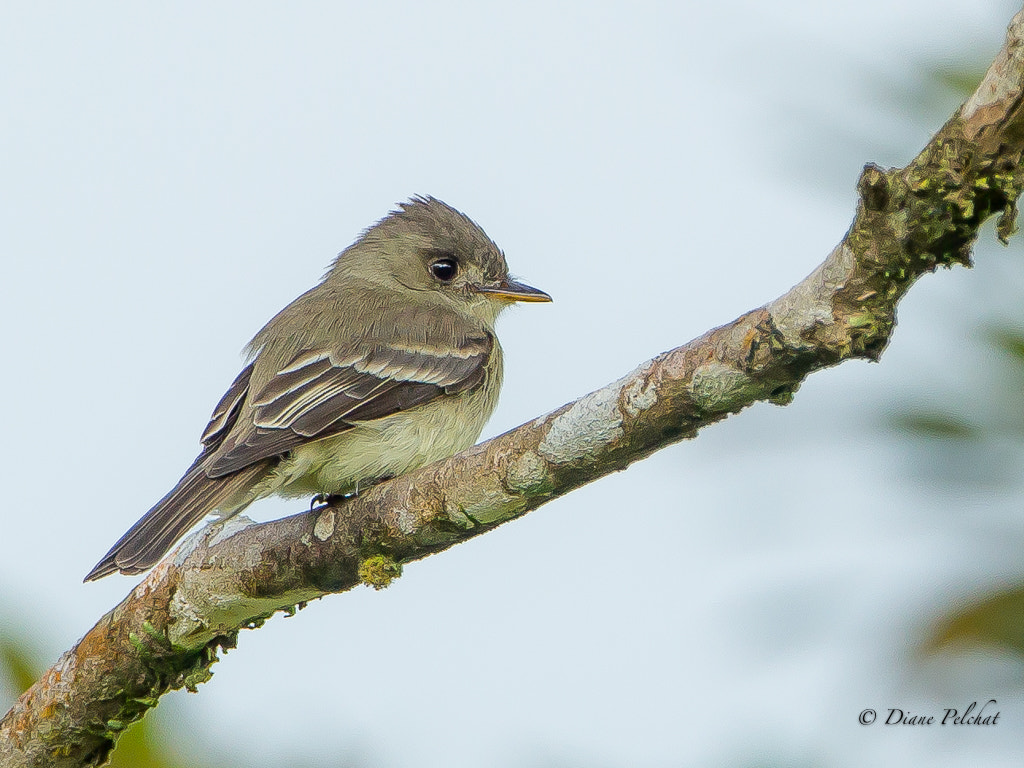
(171, 177)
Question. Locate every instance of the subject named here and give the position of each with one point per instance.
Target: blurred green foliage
(18, 666)
(977, 438)
(985, 432)
(996, 620)
(936, 425)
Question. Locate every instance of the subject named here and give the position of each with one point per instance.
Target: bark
(167, 632)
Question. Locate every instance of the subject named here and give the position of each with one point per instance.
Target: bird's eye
(444, 269)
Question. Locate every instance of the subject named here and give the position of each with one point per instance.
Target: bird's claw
(326, 499)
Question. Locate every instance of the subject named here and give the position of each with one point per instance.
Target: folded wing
(323, 393)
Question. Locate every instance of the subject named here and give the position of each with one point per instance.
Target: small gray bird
(389, 363)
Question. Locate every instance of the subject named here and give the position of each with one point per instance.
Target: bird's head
(426, 251)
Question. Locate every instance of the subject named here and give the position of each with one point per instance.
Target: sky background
(171, 177)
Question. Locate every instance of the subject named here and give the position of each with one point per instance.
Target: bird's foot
(335, 498)
(326, 499)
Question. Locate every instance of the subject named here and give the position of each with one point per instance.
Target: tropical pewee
(389, 363)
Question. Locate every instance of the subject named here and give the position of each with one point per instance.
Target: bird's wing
(322, 393)
(226, 413)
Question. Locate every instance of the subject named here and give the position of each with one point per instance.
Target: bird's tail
(195, 496)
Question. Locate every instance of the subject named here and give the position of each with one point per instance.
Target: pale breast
(391, 446)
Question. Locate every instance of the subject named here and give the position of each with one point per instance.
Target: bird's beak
(510, 290)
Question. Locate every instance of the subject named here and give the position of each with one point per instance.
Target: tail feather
(195, 496)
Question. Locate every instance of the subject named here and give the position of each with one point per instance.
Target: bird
(389, 363)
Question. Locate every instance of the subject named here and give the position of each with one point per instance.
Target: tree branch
(166, 633)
